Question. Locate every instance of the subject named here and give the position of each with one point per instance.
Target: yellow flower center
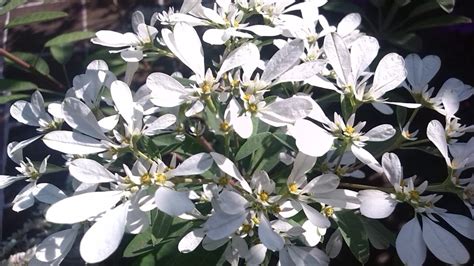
(224, 127)
(160, 178)
(350, 130)
(145, 179)
(255, 220)
(223, 181)
(252, 108)
(311, 39)
(328, 211)
(414, 195)
(246, 228)
(293, 187)
(206, 87)
(263, 196)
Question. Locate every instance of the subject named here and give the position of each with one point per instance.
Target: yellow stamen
(223, 181)
(160, 178)
(293, 187)
(224, 127)
(350, 130)
(414, 195)
(263, 196)
(252, 108)
(246, 228)
(145, 179)
(328, 211)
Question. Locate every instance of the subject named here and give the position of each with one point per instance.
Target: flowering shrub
(242, 157)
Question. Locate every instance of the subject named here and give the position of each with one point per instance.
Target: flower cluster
(243, 150)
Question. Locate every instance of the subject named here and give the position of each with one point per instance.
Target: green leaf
(169, 245)
(422, 9)
(139, 245)
(447, 5)
(13, 97)
(16, 85)
(401, 113)
(32, 59)
(199, 257)
(70, 37)
(61, 53)
(162, 225)
(252, 144)
(10, 6)
(342, 6)
(379, 236)
(116, 64)
(427, 149)
(146, 260)
(287, 141)
(354, 235)
(408, 41)
(439, 21)
(35, 17)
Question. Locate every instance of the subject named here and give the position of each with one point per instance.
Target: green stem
(361, 187)
(416, 142)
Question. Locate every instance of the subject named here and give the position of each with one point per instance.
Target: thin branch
(18, 61)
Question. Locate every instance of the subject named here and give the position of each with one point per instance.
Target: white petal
(90, 171)
(173, 202)
(159, 124)
(6, 180)
(322, 184)
(78, 115)
(72, 143)
(123, 100)
(15, 149)
(24, 199)
(348, 24)
(339, 58)
(420, 72)
(311, 235)
(340, 198)
(363, 52)
(315, 217)
(410, 245)
(48, 193)
(376, 204)
(56, 245)
(263, 30)
(108, 123)
(215, 36)
(165, 90)
(287, 111)
(194, 165)
(302, 164)
(221, 225)
(243, 126)
(365, 157)
(381, 133)
(435, 132)
(189, 47)
(389, 74)
(301, 72)
(231, 202)
(334, 245)
(443, 244)
(282, 60)
(311, 139)
(228, 167)
(269, 238)
(256, 255)
(392, 168)
(246, 53)
(104, 237)
(23, 113)
(81, 207)
(191, 241)
(462, 224)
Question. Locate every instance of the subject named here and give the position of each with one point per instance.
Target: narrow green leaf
(427, 149)
(139, 245)
(408, 41)
(169, 245)
(447, 5)
(61, 53)
(70, 37)
(162, 225)
(252, 144)
(35, 17)
(11, 5)
(439, 21)
(354, 235)
(16, 85)
(422, 9)
(379, 236)
(13, 97)
(401, 113)
(31, 59)
(146, 260)
(287, 141)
